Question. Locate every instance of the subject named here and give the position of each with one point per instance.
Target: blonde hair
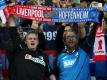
(32, 32)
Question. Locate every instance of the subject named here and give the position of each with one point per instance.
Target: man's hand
(11, 21)
(81, 29)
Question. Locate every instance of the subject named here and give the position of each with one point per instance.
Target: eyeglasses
(70, 37)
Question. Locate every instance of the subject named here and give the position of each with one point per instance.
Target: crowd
(31, 50)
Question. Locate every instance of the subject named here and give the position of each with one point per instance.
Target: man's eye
(29, 38)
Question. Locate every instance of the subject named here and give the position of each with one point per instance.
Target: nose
(71, 39)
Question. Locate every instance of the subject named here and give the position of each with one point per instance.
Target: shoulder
(81, 51)
(61, 55)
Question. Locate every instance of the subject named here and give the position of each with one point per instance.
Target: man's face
(32, 41)
(71, 40)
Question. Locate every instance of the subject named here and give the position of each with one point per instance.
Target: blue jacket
(74, 66)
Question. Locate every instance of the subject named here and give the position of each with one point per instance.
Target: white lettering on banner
(39, 60)
(73, 14)
(29, 12)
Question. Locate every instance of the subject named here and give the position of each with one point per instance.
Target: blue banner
(2, 4)
(75, 14)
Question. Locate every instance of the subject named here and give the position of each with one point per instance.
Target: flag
(99, 44)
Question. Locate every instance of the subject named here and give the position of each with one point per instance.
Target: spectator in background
(50, 31)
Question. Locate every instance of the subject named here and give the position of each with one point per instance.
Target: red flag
(99, 44)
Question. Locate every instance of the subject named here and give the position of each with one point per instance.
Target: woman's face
(32, 41)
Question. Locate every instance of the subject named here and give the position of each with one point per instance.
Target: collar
(76, 49)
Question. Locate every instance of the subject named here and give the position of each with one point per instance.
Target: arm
(81, 29)
(89, 41)
(14, 33)
(5, 39)
(9, 36)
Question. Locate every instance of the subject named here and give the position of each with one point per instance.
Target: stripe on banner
(75, 14)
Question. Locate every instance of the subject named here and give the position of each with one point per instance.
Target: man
(28, 62)
(73, 62)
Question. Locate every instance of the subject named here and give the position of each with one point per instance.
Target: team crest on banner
(99, 45)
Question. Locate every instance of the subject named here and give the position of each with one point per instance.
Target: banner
(99, 45)
(30, 12)
(75, 14)
(48, 14)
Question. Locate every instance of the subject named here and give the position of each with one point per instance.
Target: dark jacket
(23, 67)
